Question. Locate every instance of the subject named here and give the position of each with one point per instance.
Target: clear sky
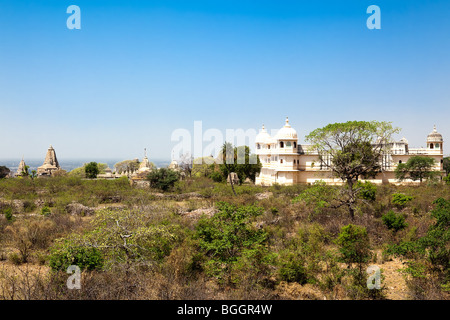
(138, 70)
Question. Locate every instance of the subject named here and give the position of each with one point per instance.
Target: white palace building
(286, 162)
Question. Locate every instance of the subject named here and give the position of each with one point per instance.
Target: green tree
(394, 221)
(446, 164)
(319, 195)
(228, 165)
(4, 171)
(368, 190)
(228, 238)
(416, 168)
(239, 160)
(217, 176)
(163, 178)
(81, 173)
(447, 179)
(352, 150)
(91, 170)
(250, 166)
(354, 244)
(25, 171)
(203, 167)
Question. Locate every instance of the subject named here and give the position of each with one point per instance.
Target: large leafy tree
(352, 150)
(416, 168)
(251, 165)
(447, 165)
(229, 162)
(81, 173)
(4, 171)
(239, 160)
(163, 178)
(91, 170)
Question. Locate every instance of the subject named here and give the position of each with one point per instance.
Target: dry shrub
(28, 234)
(22, 283)
(426, 289)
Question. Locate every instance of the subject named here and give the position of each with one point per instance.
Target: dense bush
(447, 179)
(394, 221)
(293, 270)
(354, 244)
(8, 214)
(228, 237)
(156, 246)
(431, 252)
(368, 190)
(45, 211)
(68, 253)
(400, 200)
(163, 179)
(217, 176)
(319, 195)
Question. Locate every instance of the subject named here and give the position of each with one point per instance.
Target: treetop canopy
(337, 136)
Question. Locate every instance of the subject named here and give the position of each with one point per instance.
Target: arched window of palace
(281, 144)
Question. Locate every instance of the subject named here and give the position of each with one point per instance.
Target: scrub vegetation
(198, 240)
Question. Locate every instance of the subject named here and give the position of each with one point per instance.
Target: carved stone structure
(22, 168)
(50, 163)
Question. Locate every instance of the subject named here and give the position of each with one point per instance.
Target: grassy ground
(295, 257)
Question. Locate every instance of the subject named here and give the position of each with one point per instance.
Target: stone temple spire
(22, 168)
(145, 164)
(50, 163)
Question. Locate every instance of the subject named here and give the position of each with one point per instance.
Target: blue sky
(138, 70)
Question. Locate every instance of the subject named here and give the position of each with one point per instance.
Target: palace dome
(263, 136)
(287, 132)
(403, 140)
(434, 136)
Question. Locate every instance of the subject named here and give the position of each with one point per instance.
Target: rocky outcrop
(264, 195)
(195, 214)
(75, 208)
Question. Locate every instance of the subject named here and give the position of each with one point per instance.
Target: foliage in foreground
(431, 252)
(163, 178)
(230, 241)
